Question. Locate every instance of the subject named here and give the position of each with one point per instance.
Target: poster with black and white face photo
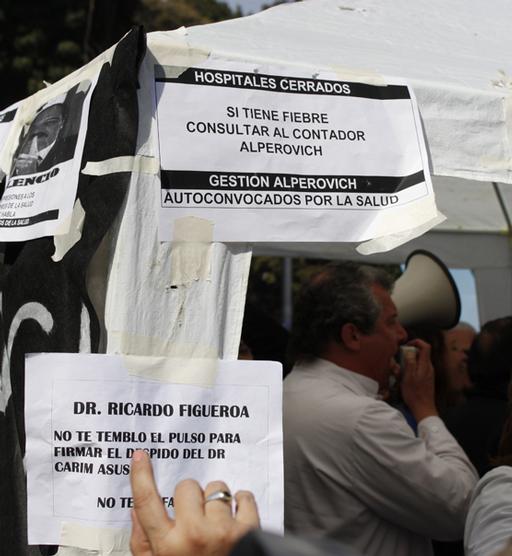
(42, 179)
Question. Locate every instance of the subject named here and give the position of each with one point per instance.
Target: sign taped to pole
(267, 154)
(42, 180)
(85, 416)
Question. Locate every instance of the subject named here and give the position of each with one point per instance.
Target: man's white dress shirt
(489, 522)
(355, 471)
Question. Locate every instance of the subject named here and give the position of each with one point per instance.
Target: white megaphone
(426, 293)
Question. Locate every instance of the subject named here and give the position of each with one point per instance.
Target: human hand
(389, 391)
(417, 381)
(25, 164)
(199, 528)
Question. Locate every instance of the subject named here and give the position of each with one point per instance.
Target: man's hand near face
(417, 383)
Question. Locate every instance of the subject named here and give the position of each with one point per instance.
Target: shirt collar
(355, 382)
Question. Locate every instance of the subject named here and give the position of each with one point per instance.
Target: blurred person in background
(477, 424)
(457, 342)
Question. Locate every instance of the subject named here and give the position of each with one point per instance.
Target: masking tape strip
(172, 49)
(391, 241)
(192, 229)
(191, 250)
(140, 164)
(166, 361)
(154, 346)
(178, 370)
(359, 75)
(69, 232)
(399, 221)
(106, 541)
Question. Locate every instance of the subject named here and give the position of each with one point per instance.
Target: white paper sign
(42, 180)
(268, 154)
(85, 415)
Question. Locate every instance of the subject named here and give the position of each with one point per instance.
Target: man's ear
(350, 335)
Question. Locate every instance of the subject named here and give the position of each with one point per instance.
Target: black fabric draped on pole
(45, 305)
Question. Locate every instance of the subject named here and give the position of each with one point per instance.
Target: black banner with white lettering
(47, 215)
(240, 181)
(283, 84)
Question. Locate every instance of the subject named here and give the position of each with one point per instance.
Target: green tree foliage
(30, 37)
(44, 40)
(158, 15)
(276, 3)
(265, 288)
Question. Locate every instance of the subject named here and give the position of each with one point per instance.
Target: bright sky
(247, 6)
(466, 286)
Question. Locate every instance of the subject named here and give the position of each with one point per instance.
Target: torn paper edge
(69, 232)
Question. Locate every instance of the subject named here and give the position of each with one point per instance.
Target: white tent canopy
(456, 57)
(450, 52)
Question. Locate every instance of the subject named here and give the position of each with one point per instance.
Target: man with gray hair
(354, 470)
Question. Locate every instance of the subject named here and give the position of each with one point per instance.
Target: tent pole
(286, 293)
